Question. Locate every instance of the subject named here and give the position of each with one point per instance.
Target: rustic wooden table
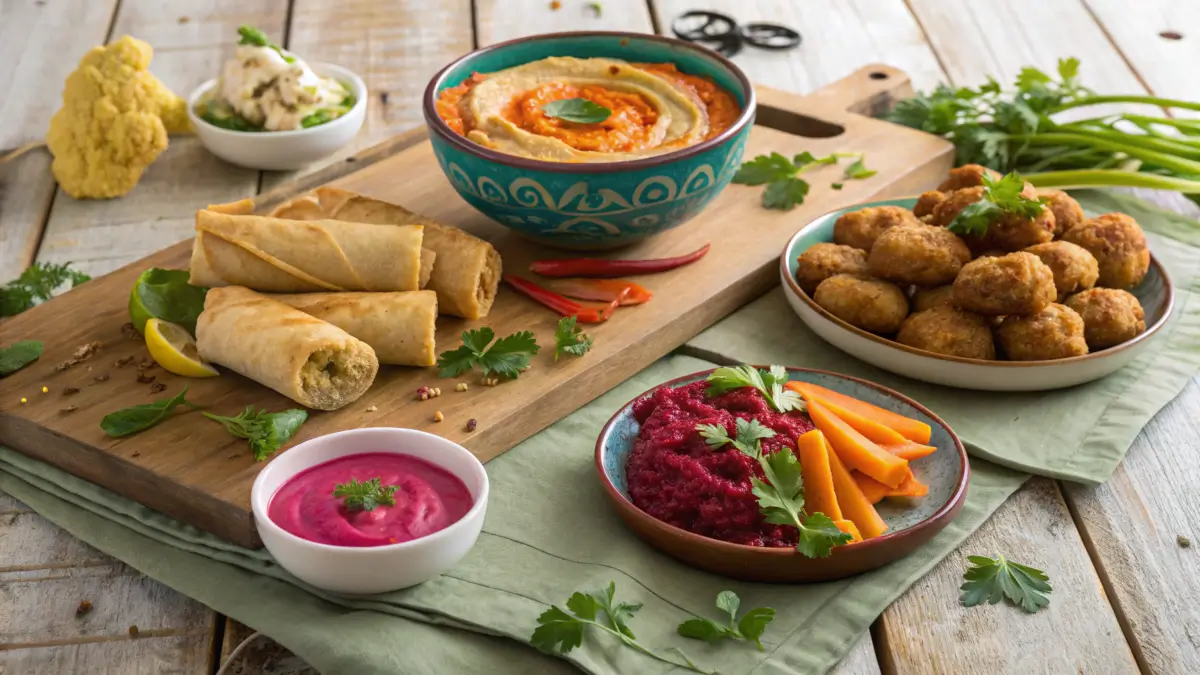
(1126, 592)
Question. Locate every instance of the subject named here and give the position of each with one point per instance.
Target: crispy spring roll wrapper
(466, 273)
(294, 256)
(314, 363)
(400, 327)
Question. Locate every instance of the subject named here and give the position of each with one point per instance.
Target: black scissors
(723, 34)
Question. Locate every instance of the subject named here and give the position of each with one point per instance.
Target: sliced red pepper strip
(601, 268)
(562, 305)
(603, 290)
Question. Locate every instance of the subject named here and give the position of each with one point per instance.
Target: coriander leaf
(620, 615)
(785, 194)
(975, 218)
(818, 535)
(777, 374)
(478, 340)
(786, 400)
(570, 339)
(509, 355)
(557, 632)
(764, 169)
(583, 605)
(713, 434)
(36, 285)
(1000, 197)
(1068, 69)
(129, 421)
(858, 171)
(752, 431)
(990, 580)
(754, 623)
(703, 629)
(769, 383)
(728, 378)
(366, 495)
(750, 628)
(836, 186)
(19, 355)
(265, 431)
(456, 362)
(577, 110)
(728, 602)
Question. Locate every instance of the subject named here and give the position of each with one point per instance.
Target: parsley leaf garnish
(577, 110)
(137, 418)
(507, 357)
(785, 189)
(1000, 197)
(570, 338)
(768, 382)
(19, 355)
(858, 171)
(991, 579)
(265, 431)
(365, 496)
(36, 285)
(750, 628)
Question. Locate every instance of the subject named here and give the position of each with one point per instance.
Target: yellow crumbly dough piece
(113, 122)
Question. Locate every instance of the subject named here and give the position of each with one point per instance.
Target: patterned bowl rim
(439, 126)
(794, 288)
(947, 510)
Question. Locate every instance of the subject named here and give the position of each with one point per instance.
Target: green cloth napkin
(1080, 433)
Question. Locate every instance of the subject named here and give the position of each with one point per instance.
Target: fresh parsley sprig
(506, 357)
(366, 495)
(781, 496)
(749, 628)
(19, 355)
(785, 189)
(570, 338)
(37, 284)
(990, 579)
(128, 421)
(267, 432)
(577, 110)
(559, 630)
(1000, 197)
(768, 382)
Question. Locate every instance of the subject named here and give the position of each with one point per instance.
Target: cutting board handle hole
(796, 124)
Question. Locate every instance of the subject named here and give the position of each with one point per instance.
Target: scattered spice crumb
(123, 361)
(24, 400)
(383, 97)
(438, 416)
(45, 390)
(143, 378)
(1183, 541)
(82, 354)
(555, 5)
(131, 333)
(471, 424)
(133, 631)
(68, 410)
(100, 378)
(70, 391)
(372, 408)
(426, 393)
(491, 381)
(83, 608)
(184, 19)
(136, 454)
(461, 386)
(145, 364)
(157, 387)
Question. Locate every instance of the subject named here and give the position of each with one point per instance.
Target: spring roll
(293, 256)
(400, 327)
(466, 272)
(314, 363)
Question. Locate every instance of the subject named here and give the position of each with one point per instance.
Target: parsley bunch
(36, 285)
(1000, 197)
(768, 382)
(749, 628)
(505, 357)
(366, 495)
(785, 188)
(989, 580)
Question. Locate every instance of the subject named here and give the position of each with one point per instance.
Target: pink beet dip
(428, 499)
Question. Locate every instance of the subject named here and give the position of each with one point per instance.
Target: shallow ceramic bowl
(910, 522)
(284, 150)
(1155, 293)
(591, 205)
(376, 569)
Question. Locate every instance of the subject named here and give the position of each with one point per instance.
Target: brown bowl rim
(947, 510)
(439, 127)
(794, 287)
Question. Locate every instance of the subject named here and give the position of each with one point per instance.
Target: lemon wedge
(173, 348)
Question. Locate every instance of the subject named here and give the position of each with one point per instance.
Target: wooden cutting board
(191, 469)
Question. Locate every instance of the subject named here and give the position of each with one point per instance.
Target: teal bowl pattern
(587, 205)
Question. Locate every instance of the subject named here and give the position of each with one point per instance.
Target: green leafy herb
(19, 355)
(785, 189)
(265, 431)
(836, 186)
(507, 357)
(858, 171)
(318, 118)
(35, 285)
(768, 382)
(749, 628)
(992, 579)
(167, 295)
(253, 36)
(129, 421)
(1000, 197)
(596, 7)
(577, 110)
(221, 116)
(561, 630)
(570, 338)
(365, 496)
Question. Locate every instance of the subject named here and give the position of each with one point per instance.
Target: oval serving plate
(1155, 293)
(910, 522)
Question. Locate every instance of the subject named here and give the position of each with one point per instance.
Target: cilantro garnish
(749, 628)
(785, 189)
(858, 171)
(768, 382)
(365, 496)
(267, 432)
(1000, 197)
(35, 285)
(506, 357)
(990, 580)
(570, 338)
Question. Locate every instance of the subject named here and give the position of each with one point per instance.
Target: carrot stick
(853, 503)
(867, 427)
(909, 450)
(872, 489)
(850, 528)
(819, 495)
(855, 450)
(913, 430)
(911, 487)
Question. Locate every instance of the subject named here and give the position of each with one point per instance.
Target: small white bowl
(283, 150)
(376, 569)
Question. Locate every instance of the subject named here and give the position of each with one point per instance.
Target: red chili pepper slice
(603, 290)
(599, 267)
(562, 305)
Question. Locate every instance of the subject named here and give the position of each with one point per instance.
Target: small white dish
(377, 569)
(1155, 294)
(283, 150)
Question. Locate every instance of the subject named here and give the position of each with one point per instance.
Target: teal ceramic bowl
(591, 205)
(911, 522)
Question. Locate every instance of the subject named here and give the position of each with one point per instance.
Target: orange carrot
(855, 450)
(913, 430)
(850, 528)
(909, 450)
(853, 503)
(911, 487)
(819, 496)
(867, 427)
(872, 489)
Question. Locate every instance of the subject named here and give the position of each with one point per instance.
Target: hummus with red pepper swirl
(645, 109)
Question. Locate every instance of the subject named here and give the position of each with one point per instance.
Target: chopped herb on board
(128, 421)
(505, 357)
(577, 110)
(267, 432)
(858, 171)
(748, 629)
(990, 580)
(569, 338)
(785, 189)
(19, 355)
(366, 495)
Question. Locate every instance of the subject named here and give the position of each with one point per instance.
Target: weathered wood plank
(262, 656)
(500, 20)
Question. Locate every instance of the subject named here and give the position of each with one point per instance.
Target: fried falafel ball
(1110, 316)
(1119, 246)
(965, 176)
(1018, 283)
(861, 228)
(870, 304)
(1074, 268)
(928, 298)
(950, 331)
(822, 261)
(922, 255)
(1067, 212)
(927, 202)
(1010, 232)
(1056, 332)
